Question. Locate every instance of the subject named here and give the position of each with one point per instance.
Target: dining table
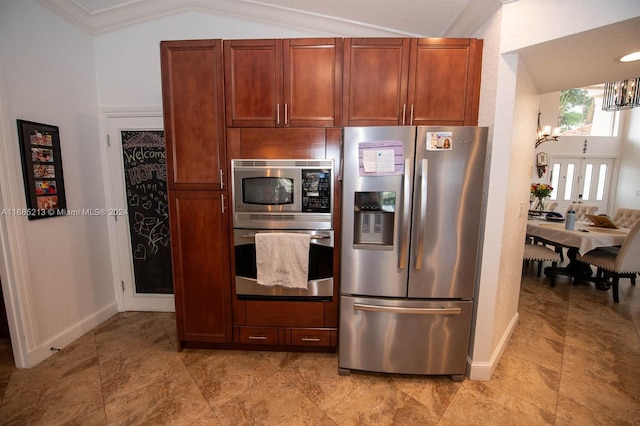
(583, 238)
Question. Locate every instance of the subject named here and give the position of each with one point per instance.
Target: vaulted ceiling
(580, 60)
(426, 18)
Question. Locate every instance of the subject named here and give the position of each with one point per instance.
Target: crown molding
(132, 13)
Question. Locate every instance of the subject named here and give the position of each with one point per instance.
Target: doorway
(585, 180)
(137, 184)
(4, 323)
(7, 363)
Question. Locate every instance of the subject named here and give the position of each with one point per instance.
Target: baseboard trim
(42, 352)
(482, 370)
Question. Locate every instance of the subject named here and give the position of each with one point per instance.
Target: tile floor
(574, 359)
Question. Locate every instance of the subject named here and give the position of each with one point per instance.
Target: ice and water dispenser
(374, 215)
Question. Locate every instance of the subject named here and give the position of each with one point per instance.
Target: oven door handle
(313, 237)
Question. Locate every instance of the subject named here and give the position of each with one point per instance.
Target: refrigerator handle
(403, 310)
(424, 172)
(406, 201)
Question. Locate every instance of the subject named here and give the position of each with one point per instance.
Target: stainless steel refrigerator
(412, 201)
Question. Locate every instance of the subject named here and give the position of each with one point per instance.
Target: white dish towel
(282, 259)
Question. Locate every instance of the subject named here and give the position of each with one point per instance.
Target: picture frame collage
(42, 169)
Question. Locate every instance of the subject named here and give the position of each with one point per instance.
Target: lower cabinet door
(200, 252)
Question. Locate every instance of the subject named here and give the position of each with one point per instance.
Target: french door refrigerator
(412, 200)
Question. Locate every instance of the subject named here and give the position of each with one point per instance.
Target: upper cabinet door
(375, 81)
(193, 104)
(283, 83)
(444, 81)
(253, 83)
(401, 81)
(312, 82)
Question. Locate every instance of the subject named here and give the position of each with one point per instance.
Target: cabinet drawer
(285, 314)
(312, 337)
(258, 335)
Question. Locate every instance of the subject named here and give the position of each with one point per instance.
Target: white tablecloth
(583, 241)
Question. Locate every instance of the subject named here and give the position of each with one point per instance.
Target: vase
(540, 204)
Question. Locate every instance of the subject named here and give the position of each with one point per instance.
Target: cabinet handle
(310, 339)
(404, 113)
(221, 179)
(257, 337)
(411, 122)
(222, 203)
(278, 114)
(286, 114)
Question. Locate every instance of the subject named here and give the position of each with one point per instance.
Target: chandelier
(544, 135)
(619, 95)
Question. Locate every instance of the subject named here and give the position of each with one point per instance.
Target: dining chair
(621, 263)
(626, 218)
(540, 253)
(552, 206)
(581, 210)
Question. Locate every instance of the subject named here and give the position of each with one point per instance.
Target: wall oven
(286, 196)
(320, 284)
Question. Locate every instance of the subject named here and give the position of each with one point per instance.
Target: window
(581, 113)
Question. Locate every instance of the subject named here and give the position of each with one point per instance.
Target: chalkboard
(145, 174)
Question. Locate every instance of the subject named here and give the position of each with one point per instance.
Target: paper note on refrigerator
(381, 158)
(375, 160)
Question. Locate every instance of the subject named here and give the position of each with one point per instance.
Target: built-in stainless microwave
(282, 194)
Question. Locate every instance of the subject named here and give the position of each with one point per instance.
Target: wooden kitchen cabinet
(283, 83)
(401, 81)
(444, 82)
(200, 251)
(376, 76)
(193, 106)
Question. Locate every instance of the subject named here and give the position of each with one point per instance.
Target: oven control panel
(316, 190)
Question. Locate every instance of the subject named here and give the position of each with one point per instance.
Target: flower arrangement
(540, 191)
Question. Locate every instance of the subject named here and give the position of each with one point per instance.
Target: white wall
(128, 60)
(47, 74)
(628, 191)
(497, 307)
(536, 21)
(480, 348)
